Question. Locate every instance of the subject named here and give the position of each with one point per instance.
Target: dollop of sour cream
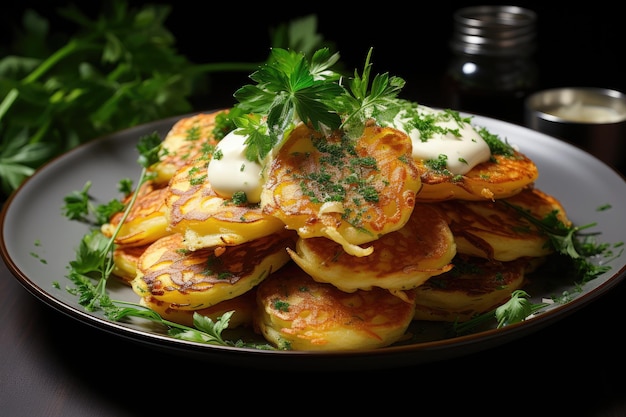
(436, 132)
(230, 171)
(433, 133)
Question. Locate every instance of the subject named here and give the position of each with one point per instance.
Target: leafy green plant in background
(116, 71)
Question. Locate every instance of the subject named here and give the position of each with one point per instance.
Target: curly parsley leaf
(379, 100)
(291, 88)
(572, 245)
(517, 309)
(77, 204)
(568, 240)
(206, 330)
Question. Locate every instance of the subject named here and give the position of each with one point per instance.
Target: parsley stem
(110, 245)
(61, 53)
(8, 101)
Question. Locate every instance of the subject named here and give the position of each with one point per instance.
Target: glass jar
(492, 69)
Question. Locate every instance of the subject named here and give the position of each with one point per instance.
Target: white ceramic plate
(38, 243)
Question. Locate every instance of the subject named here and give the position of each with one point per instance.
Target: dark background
(578, 45)
(60, 367)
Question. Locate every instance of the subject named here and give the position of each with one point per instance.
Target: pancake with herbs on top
(459, 160)
(401, 260)
(146, 222)
(474, 286)
(296, 312)
(349, 191)
(206, 219)
(501, 230)
(502, 177)
(188, 139)
(191, 280)
(343, 178)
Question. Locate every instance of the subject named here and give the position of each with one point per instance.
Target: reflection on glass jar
(492, 69)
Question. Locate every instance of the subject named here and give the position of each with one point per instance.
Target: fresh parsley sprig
(379, 100)
(115, 70)
(93, 265)
(79, 206)
(569, 242)
(291, 89)
(94, 254)
(205, 329)
(517, 309)
(101, 79)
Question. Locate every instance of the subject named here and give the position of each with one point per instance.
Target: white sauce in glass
(232, 171)
(587, 113)
(463, 151)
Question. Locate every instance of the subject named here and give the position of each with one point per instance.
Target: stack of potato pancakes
(349, 243)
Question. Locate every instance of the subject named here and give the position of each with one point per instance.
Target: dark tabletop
(54, 365)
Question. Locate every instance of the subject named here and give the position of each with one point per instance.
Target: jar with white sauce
(592, 118)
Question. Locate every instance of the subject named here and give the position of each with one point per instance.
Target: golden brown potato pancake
(401, 260)
(192, 280)
(125, 260)
(473, 286)
(206, 219)
(351, 192)
(503, 176)
(146, 222)
(496, 231)
(188, 139)
(242, 306)
(298, 313)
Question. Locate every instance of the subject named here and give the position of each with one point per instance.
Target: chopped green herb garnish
(496, 145)
(568, 242)
(93, 266)
(291, 89)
